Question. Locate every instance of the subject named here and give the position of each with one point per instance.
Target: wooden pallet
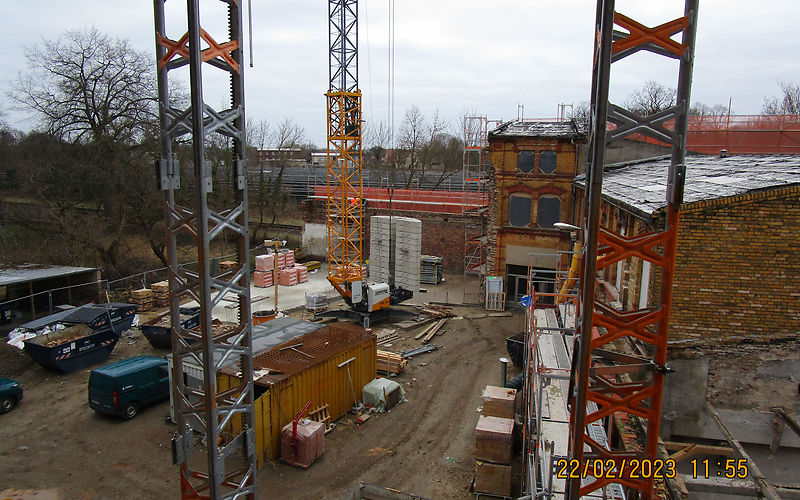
(390, 362)
(321, 415)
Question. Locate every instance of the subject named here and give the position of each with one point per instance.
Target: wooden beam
(791, 422)
(766, 488)
(700, 449)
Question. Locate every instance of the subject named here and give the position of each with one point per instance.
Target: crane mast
(344, 181)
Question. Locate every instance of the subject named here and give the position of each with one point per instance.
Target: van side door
(162, 384)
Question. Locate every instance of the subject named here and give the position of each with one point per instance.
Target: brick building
(738, 261)
(533, 164)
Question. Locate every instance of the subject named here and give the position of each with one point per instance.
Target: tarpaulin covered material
(382, 394)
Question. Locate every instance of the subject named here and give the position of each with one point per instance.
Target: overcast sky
(454, 56)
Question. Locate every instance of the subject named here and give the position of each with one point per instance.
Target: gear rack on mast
(229, 468)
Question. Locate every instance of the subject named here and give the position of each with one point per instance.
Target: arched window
(526, 160)
(519, 210)
(548, 211)
(547, 162)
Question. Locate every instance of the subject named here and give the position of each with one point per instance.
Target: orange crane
(344, 181)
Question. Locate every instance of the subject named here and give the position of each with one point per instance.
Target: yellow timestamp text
(616, 469)
(730, 468)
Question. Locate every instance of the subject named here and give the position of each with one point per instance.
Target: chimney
(723, 153)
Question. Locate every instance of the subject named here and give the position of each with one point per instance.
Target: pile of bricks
(493, 442)
(302, 273)
(142, 298)
(287, 276)
(263, 276)
(161, 293)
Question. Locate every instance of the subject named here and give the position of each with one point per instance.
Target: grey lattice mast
(230, 468)
(602, 383)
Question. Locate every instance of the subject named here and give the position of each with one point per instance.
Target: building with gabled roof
(738, 257)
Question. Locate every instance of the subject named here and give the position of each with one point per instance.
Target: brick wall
(738, 267)
(442, 235)
(505, 179)
(737, 272)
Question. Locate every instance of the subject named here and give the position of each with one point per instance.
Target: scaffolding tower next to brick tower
(475, 159)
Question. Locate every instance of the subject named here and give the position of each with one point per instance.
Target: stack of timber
(493, 442)
(390, 362)
(142, 298)
(227, 265)
(427, 333)
(312, 265)
(498, 401)
(437, 311)
(161, 293)
(384, 337)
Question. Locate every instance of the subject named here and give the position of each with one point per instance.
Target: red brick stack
(302, 273)
(287, 277)
(263, 279)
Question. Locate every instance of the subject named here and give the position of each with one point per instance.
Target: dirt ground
(53, 440)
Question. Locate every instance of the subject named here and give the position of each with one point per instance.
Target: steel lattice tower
(230, 469)
(344, 204)
(599, 375)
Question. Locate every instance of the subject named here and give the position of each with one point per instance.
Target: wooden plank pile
(390, 362)
(427, 333)
(142, 298)
(227, 265)
(160, 293)
(384, 337)
(437, 311)
(494, 441)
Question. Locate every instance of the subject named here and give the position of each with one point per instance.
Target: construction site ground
(54, 441)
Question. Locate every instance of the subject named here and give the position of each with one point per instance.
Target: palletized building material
(288, 277)
(302, 273)
(263, 279)
(265, 262)
(494, 479)
(395, 247)
(498, 401)
(316, 301)
(493, 439)
(306, 445)
(431, 270)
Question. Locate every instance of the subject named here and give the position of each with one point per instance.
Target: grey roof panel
(11, 274)
(548, 129)
(641, 185)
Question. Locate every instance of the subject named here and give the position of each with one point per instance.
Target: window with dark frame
(548, 211)
(547, 162)
(519, 210)
(526, 161)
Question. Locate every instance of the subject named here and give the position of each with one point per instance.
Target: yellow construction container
(326, 367)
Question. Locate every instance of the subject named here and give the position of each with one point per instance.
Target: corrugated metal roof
(549, 129)
(641, 185)
(11, 274)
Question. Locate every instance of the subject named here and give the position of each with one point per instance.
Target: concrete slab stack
(407, 235)
(401, 239)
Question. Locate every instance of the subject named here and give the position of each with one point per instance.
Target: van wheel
(7, 404)
(130, 411)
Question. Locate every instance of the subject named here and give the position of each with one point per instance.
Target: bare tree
(582, 114)
(95, 98)
(289, 134)
(87, 86)
(412, 132)
(703, 109)
(651, 99)
(788, 104)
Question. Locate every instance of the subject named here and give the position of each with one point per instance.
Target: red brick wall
(442, 234)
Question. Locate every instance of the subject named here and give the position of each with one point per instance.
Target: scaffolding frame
(229, 470)
(549, 338)
(474, 167)
(602, 248)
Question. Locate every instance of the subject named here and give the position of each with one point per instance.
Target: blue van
(123, 387)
